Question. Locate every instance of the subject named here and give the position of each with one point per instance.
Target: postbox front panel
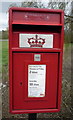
(35, 80)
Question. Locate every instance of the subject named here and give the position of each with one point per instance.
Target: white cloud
(68, 8)
(17, 0)
(24, 0)
(12, 0)
(3, 21)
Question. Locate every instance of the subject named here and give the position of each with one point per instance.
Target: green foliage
(4, 34)
(3, 57)
(0, 54)
(0, 34)
(5, 53)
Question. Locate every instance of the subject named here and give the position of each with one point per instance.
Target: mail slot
(35, 59)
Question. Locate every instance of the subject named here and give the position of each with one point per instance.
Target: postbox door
(25, 97)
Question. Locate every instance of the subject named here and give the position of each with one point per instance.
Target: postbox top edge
(36, 9)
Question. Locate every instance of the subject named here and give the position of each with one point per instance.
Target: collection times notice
(36, 80)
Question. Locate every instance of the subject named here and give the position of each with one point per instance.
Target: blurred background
(66, 105)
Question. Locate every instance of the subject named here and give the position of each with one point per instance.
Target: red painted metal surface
(27, 20)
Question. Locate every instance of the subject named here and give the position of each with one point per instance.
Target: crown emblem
(36, 42)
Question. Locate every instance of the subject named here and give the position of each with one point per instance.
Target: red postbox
(35, 59)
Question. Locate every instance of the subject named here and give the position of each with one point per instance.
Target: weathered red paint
(44, 21)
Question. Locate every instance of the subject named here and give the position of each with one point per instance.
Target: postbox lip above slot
(33, 23)
(36, 9)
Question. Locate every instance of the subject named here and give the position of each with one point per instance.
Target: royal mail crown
(36, 42)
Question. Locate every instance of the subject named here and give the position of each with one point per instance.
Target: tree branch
(68, 16)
